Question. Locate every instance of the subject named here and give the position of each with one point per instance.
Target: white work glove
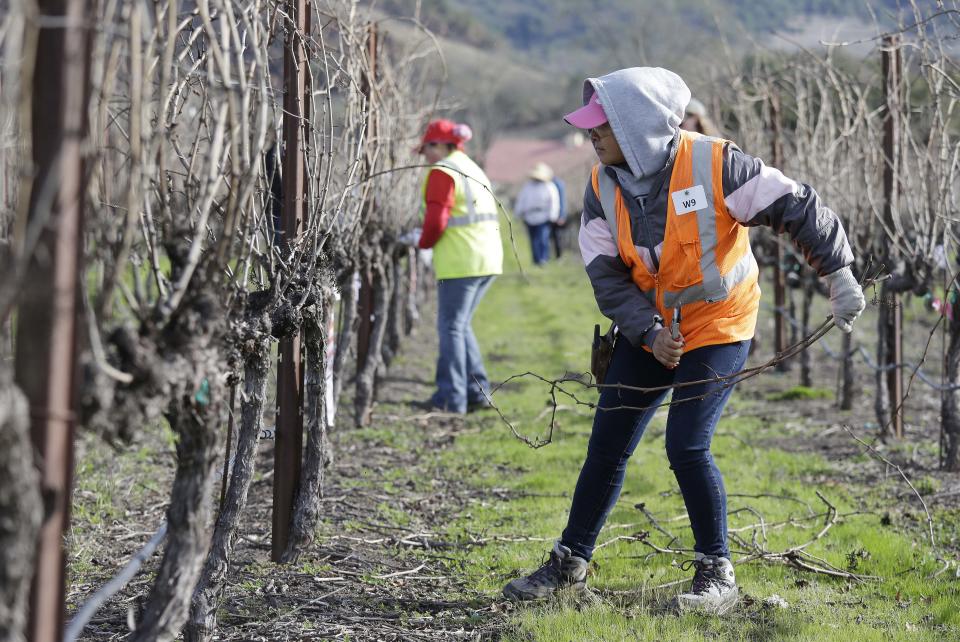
(410, 237)
(846, 298)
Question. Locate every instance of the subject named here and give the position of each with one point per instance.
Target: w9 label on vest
(690, 199)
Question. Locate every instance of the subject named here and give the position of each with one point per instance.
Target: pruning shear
(675, 324)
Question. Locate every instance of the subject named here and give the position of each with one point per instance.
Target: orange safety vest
(706, 264)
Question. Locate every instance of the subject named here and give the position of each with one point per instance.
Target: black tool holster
(602, 352)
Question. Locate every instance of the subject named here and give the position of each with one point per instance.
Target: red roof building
(509, 160)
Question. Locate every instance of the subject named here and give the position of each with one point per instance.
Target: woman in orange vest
(665, 244)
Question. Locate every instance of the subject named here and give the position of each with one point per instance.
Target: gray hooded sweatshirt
(644, 106)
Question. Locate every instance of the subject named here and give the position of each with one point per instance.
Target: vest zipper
(648, 237)
(657, 302)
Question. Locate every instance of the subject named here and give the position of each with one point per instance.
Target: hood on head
(644, 106)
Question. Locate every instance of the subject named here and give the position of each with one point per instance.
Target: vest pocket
(686, 272)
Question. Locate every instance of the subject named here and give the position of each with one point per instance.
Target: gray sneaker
(563, 569)
(714, 588)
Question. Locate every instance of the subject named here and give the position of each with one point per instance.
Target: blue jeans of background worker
(460, 372)
(690, 427)
(557, 234)
(540, 242)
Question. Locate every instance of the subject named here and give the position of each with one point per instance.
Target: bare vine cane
(727, 381)
(876, 455)
(500, 206)
(209, 209)
(923, 357)
(795, 556)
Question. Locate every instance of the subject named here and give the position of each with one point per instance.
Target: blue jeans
(540, 241)
(460, 372)
(690, 427)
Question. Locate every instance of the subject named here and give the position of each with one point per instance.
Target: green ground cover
(493, 505)
(543, 323)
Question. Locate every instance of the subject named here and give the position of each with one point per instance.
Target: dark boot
(563, 569)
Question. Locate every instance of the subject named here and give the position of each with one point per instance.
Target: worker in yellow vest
(664, 239)
(461, 225)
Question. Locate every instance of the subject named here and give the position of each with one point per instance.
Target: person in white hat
(696, 119)
(538, 205)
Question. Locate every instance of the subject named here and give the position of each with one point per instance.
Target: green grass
(106, 485)
(799, 393)
(543, 323)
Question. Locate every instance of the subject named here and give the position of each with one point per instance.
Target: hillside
(558, 31)
(516, 65)
(490, 87)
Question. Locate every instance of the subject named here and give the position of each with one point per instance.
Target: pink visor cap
(589, 116)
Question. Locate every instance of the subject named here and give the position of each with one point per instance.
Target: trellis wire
(868, 360)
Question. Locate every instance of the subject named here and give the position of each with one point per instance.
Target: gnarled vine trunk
(366, 377)
(350, 293)
(950, 401)
(197, 426)
(809, 291)
(191, 346)
(847, 372)
(411, 310)
(209, 591)
(20, 510)
(886, 312)
(306, 507)
(391, 344)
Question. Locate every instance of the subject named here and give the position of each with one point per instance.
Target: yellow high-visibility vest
(470, 245)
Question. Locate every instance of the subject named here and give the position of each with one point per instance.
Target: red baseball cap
(446, 131)
(589, 116)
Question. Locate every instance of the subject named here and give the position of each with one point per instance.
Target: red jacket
(441, 195)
